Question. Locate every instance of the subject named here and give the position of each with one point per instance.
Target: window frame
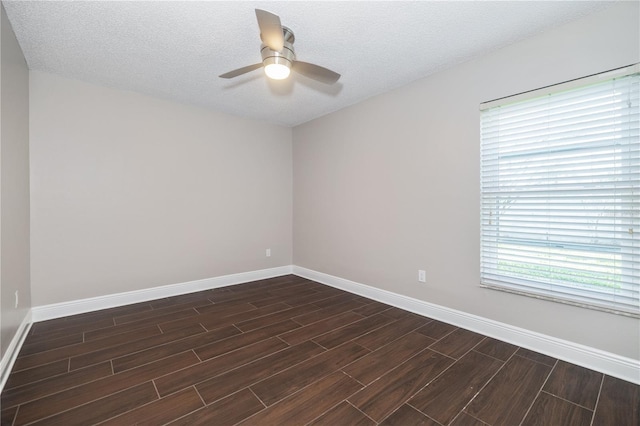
(526, 286)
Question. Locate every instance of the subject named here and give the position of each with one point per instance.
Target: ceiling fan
(278, 56)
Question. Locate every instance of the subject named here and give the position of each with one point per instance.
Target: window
(560, 183)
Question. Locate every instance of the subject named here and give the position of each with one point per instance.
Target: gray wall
(14, 184)
(391, 185)
(130, 192)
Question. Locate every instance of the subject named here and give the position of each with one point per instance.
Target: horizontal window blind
(560, 183)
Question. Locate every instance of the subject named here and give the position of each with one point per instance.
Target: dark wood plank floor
(292, 351)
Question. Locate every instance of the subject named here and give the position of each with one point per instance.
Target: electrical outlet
(422, 276)
(268, 252)
(16, 298)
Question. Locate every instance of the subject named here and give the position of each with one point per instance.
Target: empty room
(320, 213)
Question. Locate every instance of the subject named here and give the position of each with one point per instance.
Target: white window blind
(560, 181)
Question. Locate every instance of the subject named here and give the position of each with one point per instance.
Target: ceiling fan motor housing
(286, 57)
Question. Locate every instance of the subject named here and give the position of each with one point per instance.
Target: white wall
(14, 184)
(391, 185)
(130, 192)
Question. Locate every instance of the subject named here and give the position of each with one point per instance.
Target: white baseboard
(10, 355)
(614, 365)
(57, 310)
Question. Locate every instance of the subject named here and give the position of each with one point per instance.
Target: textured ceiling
(176, 50)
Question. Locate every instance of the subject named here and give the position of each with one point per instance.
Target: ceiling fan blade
(316, 72)
(240, 71)
(270, 30)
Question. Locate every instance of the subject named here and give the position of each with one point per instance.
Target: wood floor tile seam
(597, 400)
(386, 311)
(35, 382)
(292, 287)
(450, 357)
(123, 413)
(337, 297)
(530, 359)
(342, 369)
(36, 332)
(376, 327)
(410, 361)
(54, 341)
(153, 382)
(566, 400)
(437, 340)
(62, 390)
(204, 404)
(15, 370)
(282, 340)
(302, 325)
(117, 330)
(158, 360)
(363, 413)
(232, 325)
(157, 319)
(325, 374)
(394, 368)
(40, 420)
(240, 324)
(160, 312)
(181, 419)
(487, 384)
(398, 328)
(470, 349)
(217, 400)
(254, 394)
(329, 409)
(320, 311)
(151, 348)
(408, 402)
(326, 332)
(53, 392)
(463, 412)
(230, 370)
(159, 345)
(492, 357)
(540, 391)
(180, 298)
(221, 341)
(59, 353)
(101, 378)
(13, 419)
(434, 420)
(299, 391)
(248, 386)
(257, 317)
(295, 365)
(15, 415)
(436, 377)
(326, 319)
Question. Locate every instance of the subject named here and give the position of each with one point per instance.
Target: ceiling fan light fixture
(277, 71)
(277, 65)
